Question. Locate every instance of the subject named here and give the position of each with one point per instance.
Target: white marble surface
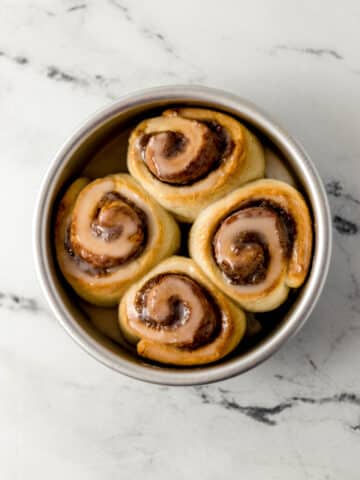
(62, 415)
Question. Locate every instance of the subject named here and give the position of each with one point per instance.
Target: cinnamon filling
(116, 221)
(185, 156)
(286, 221)
(251, 242)
(174, 309)
(83, 265)
(222, 137)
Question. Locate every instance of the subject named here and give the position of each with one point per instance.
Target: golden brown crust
(90, 276)
(293, 266)
(243, 162)
(232, 320)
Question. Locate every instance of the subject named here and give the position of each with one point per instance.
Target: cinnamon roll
(174, 315)
(108, 233)
(255, 243)
(189, 157)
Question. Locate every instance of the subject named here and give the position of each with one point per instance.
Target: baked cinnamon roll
(174, 315)
(189, 157)
(108, 233)
(255, 243)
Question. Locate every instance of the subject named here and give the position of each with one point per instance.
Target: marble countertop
(62, 414)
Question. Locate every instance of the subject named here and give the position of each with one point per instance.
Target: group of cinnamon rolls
(250, 241)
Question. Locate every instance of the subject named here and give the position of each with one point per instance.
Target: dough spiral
(108, 233)
(174, 315)
(188, 157)
(255, 243)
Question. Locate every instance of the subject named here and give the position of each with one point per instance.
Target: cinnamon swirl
(255, 243)
(189, 157)
(174, 315)
(108, 233)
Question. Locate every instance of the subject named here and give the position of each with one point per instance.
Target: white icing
(266, 226)
(158, 308)
(194, 133)
(89, 199)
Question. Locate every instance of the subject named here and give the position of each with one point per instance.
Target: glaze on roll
(114, 234)
(255, 244)
(108, 233)
(189, 157)
(249, 245)
(174, 315)
(183, 153)
(176, 310)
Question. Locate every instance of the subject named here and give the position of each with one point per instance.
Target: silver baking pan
(98, 148)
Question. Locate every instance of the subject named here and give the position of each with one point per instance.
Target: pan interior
(101, 151)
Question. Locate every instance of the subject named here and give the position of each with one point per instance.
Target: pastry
(175, 315)
(255, 243)
(189, 157)
(108, 233)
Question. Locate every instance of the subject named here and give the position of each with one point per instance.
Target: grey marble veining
(61, 413)
(319, 52)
